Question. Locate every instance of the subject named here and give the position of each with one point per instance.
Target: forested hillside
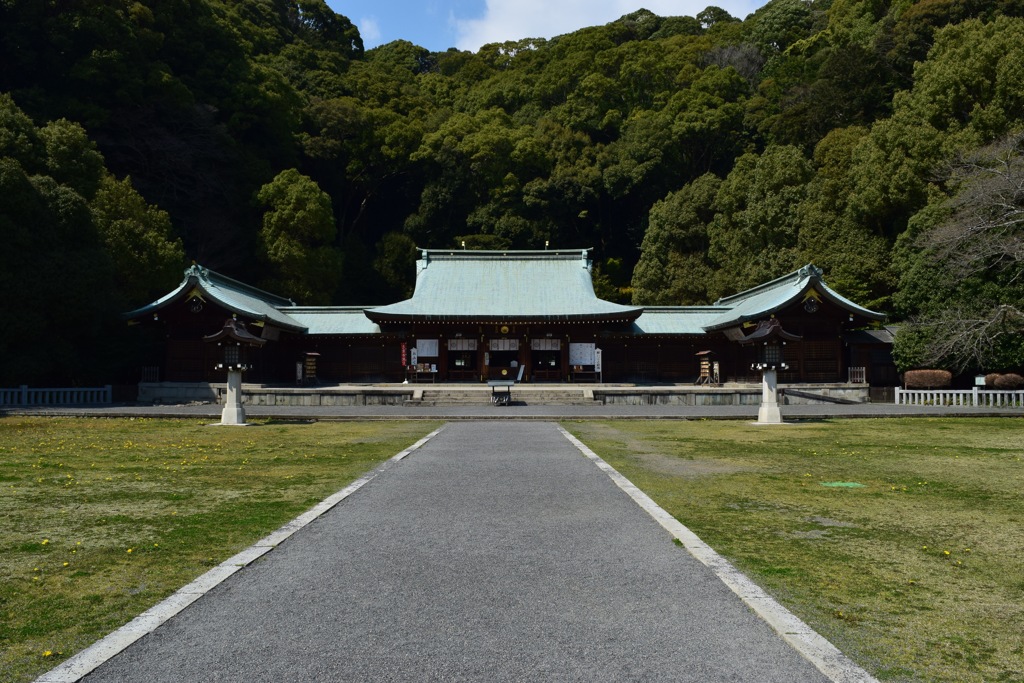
(698, 155)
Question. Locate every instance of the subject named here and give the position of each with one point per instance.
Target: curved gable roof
(504, 286)
(230, 294)
(771, 297)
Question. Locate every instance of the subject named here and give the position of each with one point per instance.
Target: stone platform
(480, 394)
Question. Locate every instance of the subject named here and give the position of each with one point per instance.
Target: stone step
(482, 396)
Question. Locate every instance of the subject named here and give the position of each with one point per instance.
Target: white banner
(546, 344)
(504, 344)
(582, 354)
(426, 348)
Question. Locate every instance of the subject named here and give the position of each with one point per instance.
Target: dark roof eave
(625, 317)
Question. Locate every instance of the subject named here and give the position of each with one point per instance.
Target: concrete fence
(71, 396)
(990, 398)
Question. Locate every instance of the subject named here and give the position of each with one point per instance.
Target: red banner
(405, 350)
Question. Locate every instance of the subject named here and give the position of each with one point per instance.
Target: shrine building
(479, 315)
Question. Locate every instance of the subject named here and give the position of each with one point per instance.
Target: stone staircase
(521, 395)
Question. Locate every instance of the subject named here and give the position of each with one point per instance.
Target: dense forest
(878, 139)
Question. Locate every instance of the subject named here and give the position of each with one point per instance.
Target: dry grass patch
(104, 518)
(918, 574)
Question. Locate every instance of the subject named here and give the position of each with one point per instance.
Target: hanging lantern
(235, 341)
(771, 350)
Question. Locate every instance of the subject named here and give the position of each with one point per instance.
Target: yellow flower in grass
(47, 653)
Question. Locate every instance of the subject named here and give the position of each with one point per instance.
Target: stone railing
(71, 396)
(991, 398)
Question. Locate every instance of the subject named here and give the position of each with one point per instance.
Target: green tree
(147, 257)
(19, 138)
(673, 268)
(297, 238)
(63, 304)
(396, 262)
(754, 235)
(855, 259)
(72, 158)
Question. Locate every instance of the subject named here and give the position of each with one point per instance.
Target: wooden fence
(990, 398)
(72, 396)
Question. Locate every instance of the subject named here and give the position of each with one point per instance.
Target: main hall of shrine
(480, 315)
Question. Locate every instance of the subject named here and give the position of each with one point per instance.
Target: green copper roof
(333, 319)
(676, 319)
(771, 297)
(232, 295)
(504, 286)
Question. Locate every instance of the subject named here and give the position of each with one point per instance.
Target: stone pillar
(769, 412)
(233, 413)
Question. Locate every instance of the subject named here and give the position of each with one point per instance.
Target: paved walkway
(494, 552)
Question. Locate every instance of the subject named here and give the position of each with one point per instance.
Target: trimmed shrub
(927, 379)
(990, 379)
(1010, 381)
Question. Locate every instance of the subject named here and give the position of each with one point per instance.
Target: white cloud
(369, 30)
(515, 19)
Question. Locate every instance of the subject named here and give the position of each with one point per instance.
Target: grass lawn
(101, 519)
(917, 572)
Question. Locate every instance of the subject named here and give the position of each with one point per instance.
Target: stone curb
(805, 640)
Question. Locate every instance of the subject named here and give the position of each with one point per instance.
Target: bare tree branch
(985, 229)
(962, 339)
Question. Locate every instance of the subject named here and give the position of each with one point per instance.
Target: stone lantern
(235, 341)
(770, 339)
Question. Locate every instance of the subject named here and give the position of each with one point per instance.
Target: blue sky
(468, 24)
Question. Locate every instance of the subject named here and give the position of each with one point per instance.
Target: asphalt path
(495, 552)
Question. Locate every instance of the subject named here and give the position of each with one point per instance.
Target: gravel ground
(496, 552)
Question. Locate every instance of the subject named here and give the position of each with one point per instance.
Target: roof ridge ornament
(196, 270)
(809, 271)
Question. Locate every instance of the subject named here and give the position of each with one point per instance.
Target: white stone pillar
(233, 413)
(769, 411)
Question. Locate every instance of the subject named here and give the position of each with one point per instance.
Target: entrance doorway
(503, 359)
(546, 359)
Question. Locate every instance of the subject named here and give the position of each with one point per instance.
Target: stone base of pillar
(769, 414)
(233, 415)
